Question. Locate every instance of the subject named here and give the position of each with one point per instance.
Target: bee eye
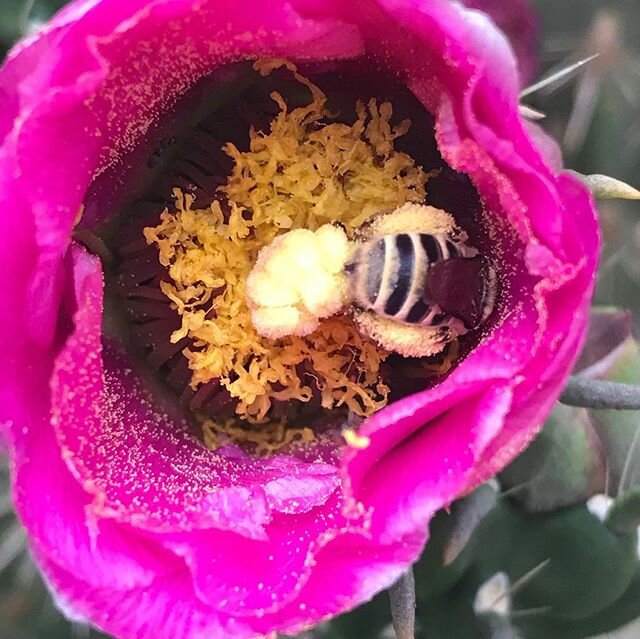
(438, 318)
(458, 287)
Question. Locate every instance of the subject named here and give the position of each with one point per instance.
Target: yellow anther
(355, 440)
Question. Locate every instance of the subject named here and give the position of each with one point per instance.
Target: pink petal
(52, 504)
(516, 18)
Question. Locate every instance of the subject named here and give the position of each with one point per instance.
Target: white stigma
(298, 280)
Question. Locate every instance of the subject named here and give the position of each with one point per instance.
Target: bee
(423, 279)
(406, 278)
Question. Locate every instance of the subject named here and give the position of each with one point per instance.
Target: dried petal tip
(604, 187)
(297, 280)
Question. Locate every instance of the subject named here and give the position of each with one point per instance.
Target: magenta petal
(20, 358)
(565, 320)
(516, 18)
(166, 481)
(168, 607)
(68, 534)
(444, 435)
(165, 610)
(241, 576)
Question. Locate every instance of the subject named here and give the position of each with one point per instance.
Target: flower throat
(308, 170)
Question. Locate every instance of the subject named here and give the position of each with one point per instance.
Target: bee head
(463, 287)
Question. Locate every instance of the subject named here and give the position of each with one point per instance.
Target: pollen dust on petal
(307, 171)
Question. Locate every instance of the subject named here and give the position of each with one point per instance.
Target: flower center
(309, 170)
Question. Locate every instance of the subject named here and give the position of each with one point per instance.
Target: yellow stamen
(355, 440)
(308, 171)
(268, 438)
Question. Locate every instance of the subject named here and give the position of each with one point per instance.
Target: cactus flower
(141, 441)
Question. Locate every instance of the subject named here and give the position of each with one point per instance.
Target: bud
(563, 466)
(583, 566)
(618, 431)
(451, 543)
(624, 514)
(582, 452)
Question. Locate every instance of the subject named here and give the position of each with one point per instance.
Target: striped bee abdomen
(403, 277)
(401, 251)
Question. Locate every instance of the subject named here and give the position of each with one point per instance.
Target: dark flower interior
(186, 152)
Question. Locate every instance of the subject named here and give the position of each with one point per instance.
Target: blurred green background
(499, 582)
